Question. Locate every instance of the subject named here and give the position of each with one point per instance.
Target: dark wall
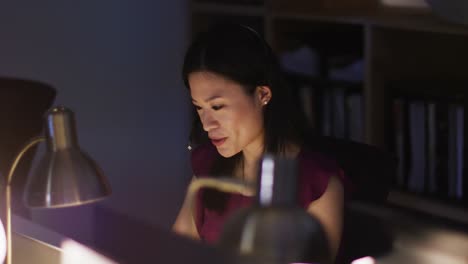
(116, 63)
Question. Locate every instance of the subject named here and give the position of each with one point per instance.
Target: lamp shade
(275, 230)
(65, 175)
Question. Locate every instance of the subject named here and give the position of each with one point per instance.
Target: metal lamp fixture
(274, 230)
(65, 176)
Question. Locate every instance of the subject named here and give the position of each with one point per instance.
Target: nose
(208, 121)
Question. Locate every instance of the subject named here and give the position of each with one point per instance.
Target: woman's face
(232, 118)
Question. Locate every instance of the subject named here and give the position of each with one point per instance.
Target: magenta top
(314, 173)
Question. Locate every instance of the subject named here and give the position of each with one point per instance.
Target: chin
(227, 153)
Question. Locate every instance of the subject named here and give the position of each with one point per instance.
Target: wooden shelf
(205, 14)
(227, 9)
(418, 20)
(397, 45)
(364, 14)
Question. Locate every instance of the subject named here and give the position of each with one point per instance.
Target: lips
(218, 141)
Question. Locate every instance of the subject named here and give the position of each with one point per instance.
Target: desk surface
(27, 251)
(33, 243)
(417, 239)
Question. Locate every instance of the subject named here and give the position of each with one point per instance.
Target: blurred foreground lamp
(65, 176)
(275, 230)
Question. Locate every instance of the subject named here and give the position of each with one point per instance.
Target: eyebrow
(209, 98)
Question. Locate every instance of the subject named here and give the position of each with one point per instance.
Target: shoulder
(315, 171)
(202, 159)
(313, 161)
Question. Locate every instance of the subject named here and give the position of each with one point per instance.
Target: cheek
(249, 124)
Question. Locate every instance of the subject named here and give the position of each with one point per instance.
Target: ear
(263, 95)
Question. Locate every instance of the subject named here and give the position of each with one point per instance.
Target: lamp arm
(18, 157)
(229, 185)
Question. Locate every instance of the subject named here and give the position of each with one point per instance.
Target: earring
(265, 102)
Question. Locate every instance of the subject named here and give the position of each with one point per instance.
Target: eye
(217, 107)
(198, 108)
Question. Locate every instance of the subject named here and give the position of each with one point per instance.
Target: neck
(251, 158)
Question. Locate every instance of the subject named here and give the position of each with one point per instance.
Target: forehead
(206, 85)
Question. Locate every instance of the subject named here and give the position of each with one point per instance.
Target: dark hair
(240, 54)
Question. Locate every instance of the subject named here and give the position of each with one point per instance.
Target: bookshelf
(396, 44)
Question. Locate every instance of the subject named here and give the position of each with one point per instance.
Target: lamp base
(275, 235)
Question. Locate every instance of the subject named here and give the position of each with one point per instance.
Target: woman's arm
(328, 209)
(185, 223)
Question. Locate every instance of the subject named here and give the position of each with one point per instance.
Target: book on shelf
(338, 109)
(327, 113)
(428, 139)
(332, 108)
(455, 176)
(328, 77)
(355, 117)
(441, 148)
(400, 124)
(307, 99)
(431, 124)
(417, 172)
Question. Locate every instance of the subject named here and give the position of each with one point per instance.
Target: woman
(245, 109)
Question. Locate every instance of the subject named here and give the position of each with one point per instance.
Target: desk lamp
(65, 175)
(274, 230)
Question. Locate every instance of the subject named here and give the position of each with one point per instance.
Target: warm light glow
(3, 243)
(248, 236)
(405, 3)
(364, 260)
(76, 253)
